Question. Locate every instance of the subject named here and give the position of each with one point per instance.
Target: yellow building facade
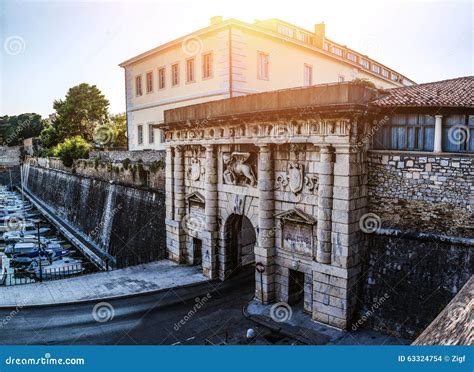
(231, 58)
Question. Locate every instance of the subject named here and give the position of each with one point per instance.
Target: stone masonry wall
(415, 279)
(419, 253)
(423, 191)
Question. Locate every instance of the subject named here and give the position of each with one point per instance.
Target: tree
(83, 109)
(71, 149)
(112, 135)
(14, 129)
(363, 82)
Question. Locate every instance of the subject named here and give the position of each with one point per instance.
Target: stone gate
(290, 163)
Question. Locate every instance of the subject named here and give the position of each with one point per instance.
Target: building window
(149, 82)
(458, 133)
(151, 134)
(352, 57)
(308, 75)
(175, 74)
(341, 78)
(284, 30)
(394, 77)
(326, 46)
(337, 51)
(304, 37)
(140, 134)
(376, 69)
(138, 85)
(385, 73)
(207, 66)
(263, 61)
(364, 63)
(190, 70)
(161, 78)
(406, 132)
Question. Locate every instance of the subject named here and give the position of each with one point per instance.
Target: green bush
(71, 149)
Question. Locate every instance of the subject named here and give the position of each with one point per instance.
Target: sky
(49, 46)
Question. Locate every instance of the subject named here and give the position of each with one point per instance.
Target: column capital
(264, 147)
(179, 148)
(439, 116)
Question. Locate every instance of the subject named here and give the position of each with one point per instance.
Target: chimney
(320, 34)
(215, 20)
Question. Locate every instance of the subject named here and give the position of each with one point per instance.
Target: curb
(109, 298)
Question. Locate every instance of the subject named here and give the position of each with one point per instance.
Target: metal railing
(21, 276)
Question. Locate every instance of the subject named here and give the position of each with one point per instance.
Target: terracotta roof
(457, 92)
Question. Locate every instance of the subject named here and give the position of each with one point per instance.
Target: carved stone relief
(194, 171)
(237, 170)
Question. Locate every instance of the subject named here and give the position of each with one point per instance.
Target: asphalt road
(209, 313)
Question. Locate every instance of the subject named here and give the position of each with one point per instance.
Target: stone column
(265, 252)
(325, 194)
(209, 247)
(438, 135)
(179, 207)
(335, 282)
(169, 183)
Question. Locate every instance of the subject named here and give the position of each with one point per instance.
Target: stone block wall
(423, 191)
(116, 168)
(419, 249)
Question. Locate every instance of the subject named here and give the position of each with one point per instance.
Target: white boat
(56, 269)
(28, 230)
(19, 248)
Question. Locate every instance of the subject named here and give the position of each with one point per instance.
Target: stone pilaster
(209, 251)
(335, 282)
(265, 252)
(325, 194)
(177, 251)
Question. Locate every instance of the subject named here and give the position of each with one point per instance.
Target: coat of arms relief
(295, 178)
(194, 171)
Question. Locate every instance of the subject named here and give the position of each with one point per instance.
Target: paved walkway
(150, 277)
(293, 321)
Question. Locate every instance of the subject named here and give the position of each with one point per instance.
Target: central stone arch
(238, 245)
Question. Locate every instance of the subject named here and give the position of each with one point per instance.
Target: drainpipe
(230, 63)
